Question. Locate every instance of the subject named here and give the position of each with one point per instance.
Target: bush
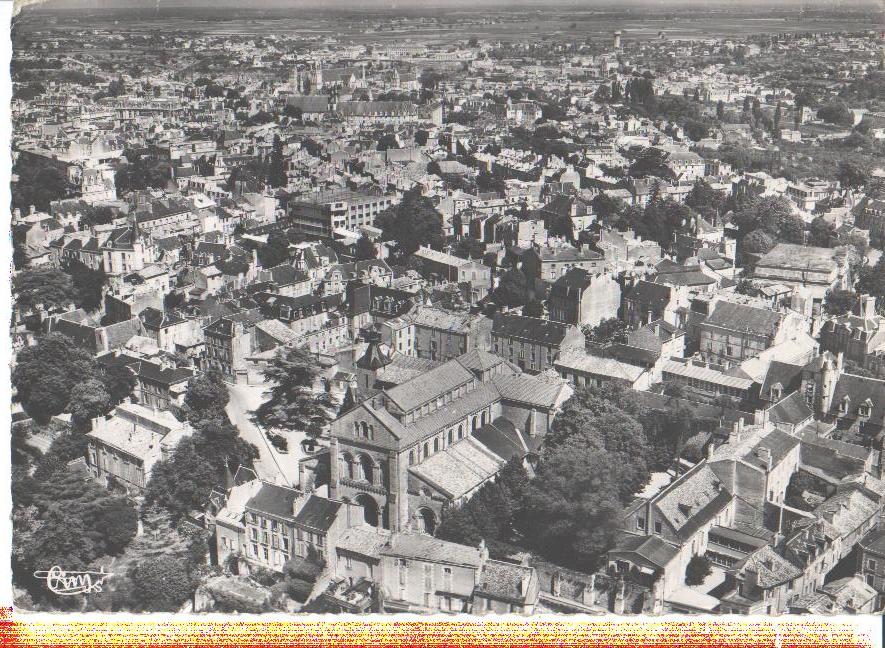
(278, 441)
(699, 567)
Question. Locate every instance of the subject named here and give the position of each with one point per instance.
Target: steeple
(374, 358)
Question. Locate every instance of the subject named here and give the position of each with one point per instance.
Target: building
(872, 218)
(125, 445)
(549, 262)
(814, 269)
(437, 334)
(735, 332)
(229, 342)
(266, 524)
(871, 563)
(323, 213)
(583, 299)
(407, 451)
(859, 335)
(531, 343)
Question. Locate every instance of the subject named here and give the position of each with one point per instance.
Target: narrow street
(271, 465)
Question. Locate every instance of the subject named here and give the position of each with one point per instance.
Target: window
(871, 564)
(436, 445)
(348, 561)
(640, 523)
(411, 457)
(659, 527)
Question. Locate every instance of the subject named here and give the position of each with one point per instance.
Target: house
(531, 343)
(268, 524)
(549, 262)
(647, 301)
(125, 445)
(583, 299)
(734, 332)
(437, 334)
(814, 269)
(859, 335)
(871, 563)
(229, 341)
(856, 404)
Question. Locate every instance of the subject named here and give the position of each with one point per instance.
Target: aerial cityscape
(483, 309)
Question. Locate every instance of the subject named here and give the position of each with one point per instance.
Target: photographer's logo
(69, 583)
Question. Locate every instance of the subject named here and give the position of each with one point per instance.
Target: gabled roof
(418, 546)
(745, 319)
(539, 331)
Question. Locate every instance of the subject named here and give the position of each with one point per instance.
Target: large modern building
(322, 213)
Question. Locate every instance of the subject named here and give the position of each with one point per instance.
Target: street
(270, 465)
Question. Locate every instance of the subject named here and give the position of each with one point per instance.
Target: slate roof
(318, 513)
(429, 386)
(654, 294)
(690, 278)
(540, 331)
(777, 442)
(692, 500)
(419, 546)
(788, 375)
(503, 581)
(502, 438)
(580, 360)
(745, 319)
(650, 547)
(860, 389)
(274, 500)
(793, 410)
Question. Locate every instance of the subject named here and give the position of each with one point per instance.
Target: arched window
(436, 444)
(461, 431)
(475, 423)
(356, 429)
(451, 436)
(348, 465)
(483, 419)
(426, 449)
(365, 429)
(367, 468)
(411, 457)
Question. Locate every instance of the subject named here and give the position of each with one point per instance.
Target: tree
(839, 302)
(836, 112)
(88, 284)
(571, 512)
(206, 395)
(607, 208)
(74, 522)
(720, 110)
(608, 331)
(757, 242)
(706, 200)
(649, 162)
(364, 249)
(89, 399)
(276, 173)
(490, 514)
(181, 483)
(44, 287)
(852, 175)
(533, 308)
(276, 251)
(412, 223)
(697, 570)
(821, 232)
(512, 289)
(164, 583)
(45, 374)
(294, 404)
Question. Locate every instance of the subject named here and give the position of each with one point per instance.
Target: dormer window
(865, 409)
(776, 391)
(843, 406)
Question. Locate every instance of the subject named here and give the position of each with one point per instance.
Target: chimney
(483, 551)
(32, 210)
(764, 455)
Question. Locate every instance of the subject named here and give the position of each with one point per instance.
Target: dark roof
(651, 548)
(156, 373)
(650, 293)
(793, 410)
(778, 443)
(689, 278)
(274, 500)
(788, 375)
(501, 437)
(874, 541)
(860, 389)
(743, 318)
(537, 330)
(318, 513)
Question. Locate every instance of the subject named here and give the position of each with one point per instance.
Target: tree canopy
(412, 223)
(294, 403)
